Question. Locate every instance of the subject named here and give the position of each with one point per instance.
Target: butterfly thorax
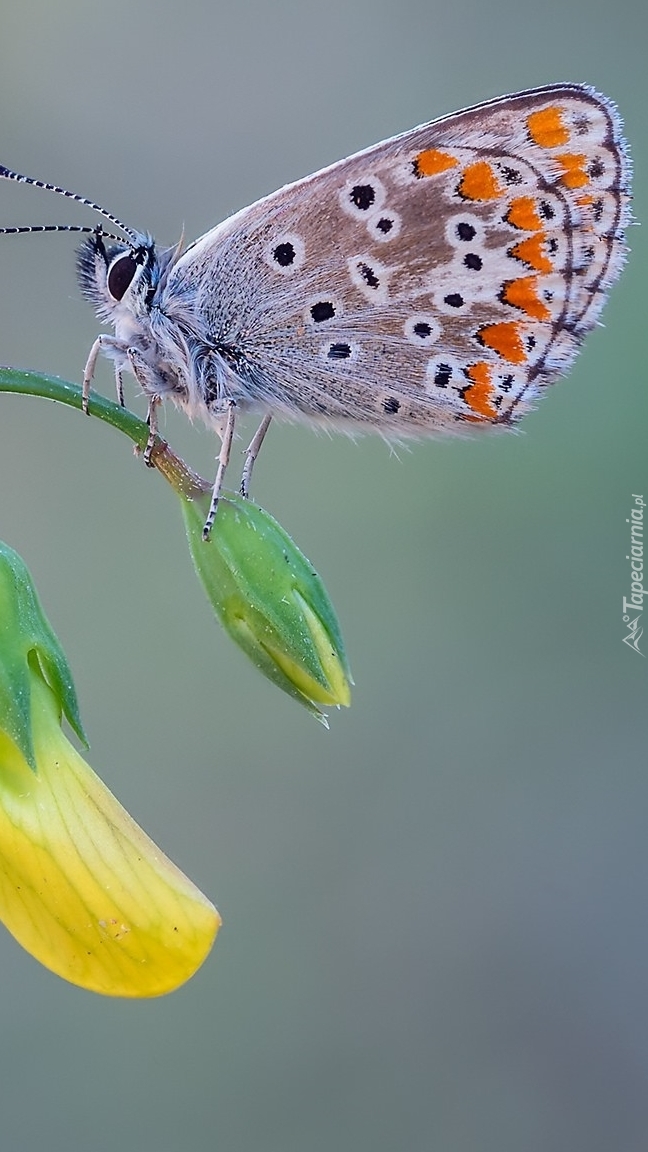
(160, 335)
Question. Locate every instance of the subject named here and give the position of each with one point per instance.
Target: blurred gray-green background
(435, 915)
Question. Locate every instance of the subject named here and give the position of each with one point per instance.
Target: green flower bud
(270, 600)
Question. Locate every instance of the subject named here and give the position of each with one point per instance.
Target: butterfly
(434, 283)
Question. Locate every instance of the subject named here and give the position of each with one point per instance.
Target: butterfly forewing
(433, 281)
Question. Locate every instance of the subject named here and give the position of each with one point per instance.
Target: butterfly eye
(120, 275)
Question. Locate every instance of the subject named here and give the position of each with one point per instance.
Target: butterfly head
(119, 279)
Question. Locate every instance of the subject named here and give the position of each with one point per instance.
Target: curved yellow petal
(82, 887)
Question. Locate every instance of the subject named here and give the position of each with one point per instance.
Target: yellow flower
(82, 887)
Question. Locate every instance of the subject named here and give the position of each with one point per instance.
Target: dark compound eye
(339, 352)
(284, 254)
(323, 310)
(466, 231)
(120, 275)
(363, 196)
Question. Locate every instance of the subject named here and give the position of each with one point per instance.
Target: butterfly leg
(223, 460)
(151, 420)
(120, 387)
(251, 453)
(142, 373)
(112, 347)
(88, 373)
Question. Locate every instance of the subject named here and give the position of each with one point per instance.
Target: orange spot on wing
(479, 182)
(586, 202)
(574, 174)
(532, 252)
(546, 128)
(524, 214)
(432, 161)
(523, 293)
(480, 390)
(504, 339)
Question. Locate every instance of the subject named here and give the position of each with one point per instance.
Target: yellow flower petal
(82, 887)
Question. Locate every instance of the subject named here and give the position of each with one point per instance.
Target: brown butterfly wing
(434, 281)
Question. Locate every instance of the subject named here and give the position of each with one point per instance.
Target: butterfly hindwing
(432, 281)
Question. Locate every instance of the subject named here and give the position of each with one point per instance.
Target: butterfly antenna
(60, 228)
(7, 174)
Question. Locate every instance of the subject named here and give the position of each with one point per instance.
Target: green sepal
(28, 645)
(270, 600)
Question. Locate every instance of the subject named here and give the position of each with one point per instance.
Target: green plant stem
(185, 481)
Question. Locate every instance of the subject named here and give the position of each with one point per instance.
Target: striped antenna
(7, 174)
(60, 228)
